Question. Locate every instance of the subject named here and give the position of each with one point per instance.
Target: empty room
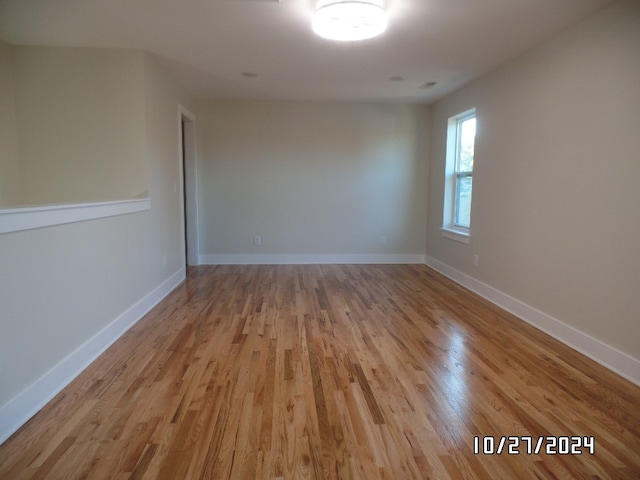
(323, 239)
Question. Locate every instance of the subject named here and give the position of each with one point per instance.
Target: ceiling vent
(428, 85)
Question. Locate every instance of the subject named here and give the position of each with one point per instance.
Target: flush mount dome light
(349, 20)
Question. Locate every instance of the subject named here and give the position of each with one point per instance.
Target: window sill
(27, 218)
(457, 235)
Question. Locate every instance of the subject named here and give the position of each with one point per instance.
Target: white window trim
(449, 229)
(459, 235)
(28, 218)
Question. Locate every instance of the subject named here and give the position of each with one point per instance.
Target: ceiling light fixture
(350, 20)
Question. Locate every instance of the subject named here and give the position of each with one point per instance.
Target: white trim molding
(188, 175)
(311, 259)
(27, 403)
(457, 235)
(27, 218)
(606, 355)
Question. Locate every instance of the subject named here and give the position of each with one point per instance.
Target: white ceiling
(207, 44)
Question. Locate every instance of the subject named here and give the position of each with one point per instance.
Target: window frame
(451, 227)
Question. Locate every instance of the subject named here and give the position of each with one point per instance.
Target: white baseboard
(27, 403)
(310, 259)
(606, 355)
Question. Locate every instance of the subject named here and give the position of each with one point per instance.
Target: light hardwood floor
(327, 372)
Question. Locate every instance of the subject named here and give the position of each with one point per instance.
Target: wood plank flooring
(333, 371)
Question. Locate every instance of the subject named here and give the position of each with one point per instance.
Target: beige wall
(61, 285)
(555, 218)
(80, 124)
(312, 178)
(9, 166)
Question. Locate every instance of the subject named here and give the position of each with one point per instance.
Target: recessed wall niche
(72, 125)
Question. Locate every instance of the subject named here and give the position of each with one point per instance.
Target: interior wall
(312, 178)
(80, 124)
(9, 166)
(69, 282)
(555, 220)
(165, 250)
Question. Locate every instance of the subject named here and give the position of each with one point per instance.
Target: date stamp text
(527, 445)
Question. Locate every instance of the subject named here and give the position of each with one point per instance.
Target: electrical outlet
(383, 240)
(257, 240)
(476, 260)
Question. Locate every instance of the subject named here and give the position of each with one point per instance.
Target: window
(461, 135)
